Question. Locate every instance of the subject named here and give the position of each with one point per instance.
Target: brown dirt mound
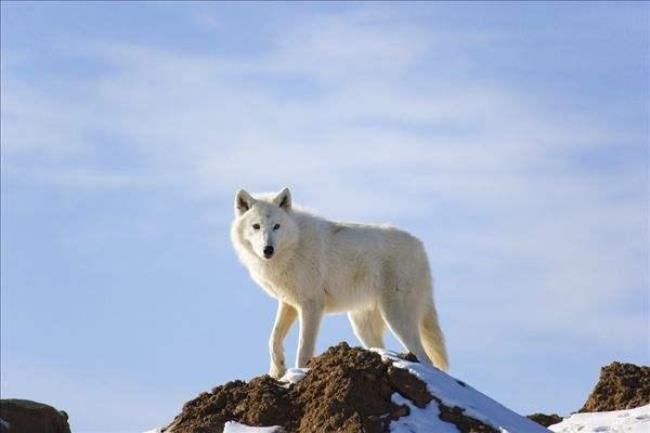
(347, 390)
(544, 419)
(621, 386)
(30, 416)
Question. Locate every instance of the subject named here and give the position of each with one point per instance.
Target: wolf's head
(263, 225)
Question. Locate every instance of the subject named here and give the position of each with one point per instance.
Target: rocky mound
(29, 416)
(345, 390)
(621, 386)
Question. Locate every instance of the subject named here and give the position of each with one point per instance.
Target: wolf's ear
(283, 199)
(243, 202)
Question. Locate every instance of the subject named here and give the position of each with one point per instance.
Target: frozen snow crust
(351, 390)
(619, 421)
(453, 395)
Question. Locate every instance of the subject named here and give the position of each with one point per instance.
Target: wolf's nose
(268, 251)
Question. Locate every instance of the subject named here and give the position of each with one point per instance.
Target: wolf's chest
(280, 285)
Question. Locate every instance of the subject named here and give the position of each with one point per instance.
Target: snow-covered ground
(453, 392)
(619, 421)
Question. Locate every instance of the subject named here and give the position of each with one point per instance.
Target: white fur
(379, 275)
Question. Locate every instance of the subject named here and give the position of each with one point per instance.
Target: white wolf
(379, 275)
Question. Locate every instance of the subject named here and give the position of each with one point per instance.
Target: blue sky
(511, 137)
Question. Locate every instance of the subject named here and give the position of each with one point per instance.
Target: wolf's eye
(277, 226)
(256, 226)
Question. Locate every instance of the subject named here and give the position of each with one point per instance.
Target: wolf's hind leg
(284, 318)
(403, 321)
(368, 326)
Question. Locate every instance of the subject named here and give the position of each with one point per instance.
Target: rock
(544, 419)
(346, 390)
(25, 416)
(621, 386)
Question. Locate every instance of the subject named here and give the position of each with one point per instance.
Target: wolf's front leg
(310, 317)
(283, 320)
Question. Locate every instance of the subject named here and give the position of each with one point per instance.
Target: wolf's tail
(432, 338)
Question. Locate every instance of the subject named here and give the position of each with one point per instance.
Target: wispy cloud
(365, 114)
(373, 117)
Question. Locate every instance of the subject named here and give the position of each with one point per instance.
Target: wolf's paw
(277, 371)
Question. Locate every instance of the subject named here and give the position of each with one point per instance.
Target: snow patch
(420, 420)
(294, 375)
(235, 427)
(453, 392)
(619, 421)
